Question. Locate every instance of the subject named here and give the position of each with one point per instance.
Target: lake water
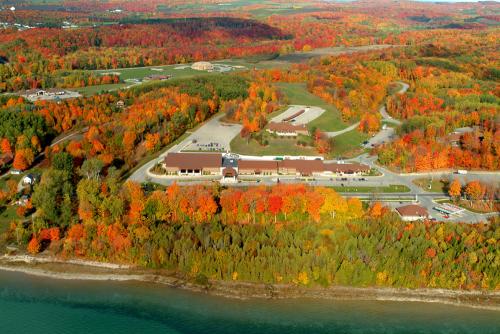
(31, 304)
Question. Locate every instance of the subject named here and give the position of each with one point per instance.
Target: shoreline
(75, 270)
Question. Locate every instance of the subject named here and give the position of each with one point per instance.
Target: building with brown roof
(412, 212)
(286, 129)
(193, 163)
(297, 114)
(346, 168)
(257, 167)
(300, 167)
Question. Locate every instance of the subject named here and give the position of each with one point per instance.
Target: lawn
(436, 185)
(91, 90)
(174, 70)
(277, 146)
(3, 180)
(393, 188)
(7, 215)
(297, 93)
(348, 144)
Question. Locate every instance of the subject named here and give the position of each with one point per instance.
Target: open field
(174, 70)
(393, 188)
(297, 93)
(265, 9)
(90, 90)
(348, 144)
(301, 57)
(7, 215)
(277, 146)
(436, 185)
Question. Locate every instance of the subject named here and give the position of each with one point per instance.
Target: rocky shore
(75, 269)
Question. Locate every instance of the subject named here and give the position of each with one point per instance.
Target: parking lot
(213, 136)
(310, 113)
(382, 137)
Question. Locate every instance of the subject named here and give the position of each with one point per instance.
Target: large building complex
(197, 164)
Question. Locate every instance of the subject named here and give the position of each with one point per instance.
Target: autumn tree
(474, 190)
(455, 189)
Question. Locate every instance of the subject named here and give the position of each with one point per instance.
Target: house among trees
(284, 129)
(31, 179)
(412, 212)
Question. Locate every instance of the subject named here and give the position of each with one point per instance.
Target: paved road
(387, 134)
(310, 114)
(383, 135)
(338, 133)
(383, 111)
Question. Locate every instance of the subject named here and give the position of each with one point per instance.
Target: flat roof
(449, 208)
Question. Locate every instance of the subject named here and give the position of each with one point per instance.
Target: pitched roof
(346, 168)
(412, 210)
(297, 114)
(303, 166)
(193, 160)
(257, 165)
(229, 172)
(285, 127)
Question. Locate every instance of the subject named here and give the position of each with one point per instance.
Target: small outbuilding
(30, 179)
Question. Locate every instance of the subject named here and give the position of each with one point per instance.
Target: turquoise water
(34, 305)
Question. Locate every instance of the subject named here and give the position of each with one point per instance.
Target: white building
(203, 66)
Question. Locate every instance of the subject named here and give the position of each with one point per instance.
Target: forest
(283, 234)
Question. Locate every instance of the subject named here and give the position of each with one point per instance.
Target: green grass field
(393, 188)
(297, 93)
(436, 185)
(7, 215)
(91, 90)
(277, 146)
(176, 70)
(348, 144)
